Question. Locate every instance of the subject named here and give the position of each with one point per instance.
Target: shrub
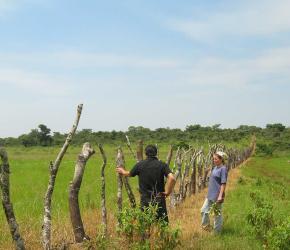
(143, 231)
(181, 145)
(241, 180)
(264, 149)
(279, 236)
(261, 216)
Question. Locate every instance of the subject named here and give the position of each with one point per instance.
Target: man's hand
(169, 188)
(122, 171)
(163, 194)
(221, 196)
(220, 200)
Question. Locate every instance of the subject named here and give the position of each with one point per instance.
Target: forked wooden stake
(7, 205)
(46, 228)
(74, 188)
(103, 191)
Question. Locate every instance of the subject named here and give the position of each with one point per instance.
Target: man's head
(151, 151)
(219, 157)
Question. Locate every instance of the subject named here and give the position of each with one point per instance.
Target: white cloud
(271, 67)
(34, 82)
(252, 18)
(112, 60)
(76, 59)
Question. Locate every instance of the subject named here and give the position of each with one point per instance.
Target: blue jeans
(218, 219)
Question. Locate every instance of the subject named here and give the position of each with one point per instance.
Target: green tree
(45, 138)
(192, 128)
(31, 139)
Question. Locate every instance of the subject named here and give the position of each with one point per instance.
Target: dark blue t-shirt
(218, 177)
(151, 173)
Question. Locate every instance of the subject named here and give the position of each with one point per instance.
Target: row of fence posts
(191, 168)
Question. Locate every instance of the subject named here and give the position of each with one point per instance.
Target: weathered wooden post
(207, 168)
(130, 148)
(126, 183)
(139, 153)
(192, 184)
(200, 170)
(7, 205)
(178, 163)
(185, 178)
(74, 188)
(185, 175)
(169, 155)
(46, 228)
(103, 191)
(157, 154)
(119, 163)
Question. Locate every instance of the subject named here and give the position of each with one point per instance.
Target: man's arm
(222, 190)
(224, 176)
(169, 185)
(122, 171)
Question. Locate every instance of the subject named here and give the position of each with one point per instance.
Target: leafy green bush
(143, 231)
(279, 236)
(241, 180)
(261, 216)
(264, 149)
(180, 145)
(100, 242)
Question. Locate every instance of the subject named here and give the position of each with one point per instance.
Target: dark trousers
(160, 202)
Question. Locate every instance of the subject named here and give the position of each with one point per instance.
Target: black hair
(151, 151)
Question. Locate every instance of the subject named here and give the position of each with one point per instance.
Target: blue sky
(143, 63)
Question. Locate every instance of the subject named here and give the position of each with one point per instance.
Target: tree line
(272, 137)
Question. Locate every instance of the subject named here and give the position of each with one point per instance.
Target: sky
(143, 63)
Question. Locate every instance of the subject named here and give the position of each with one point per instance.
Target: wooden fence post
(103, 191)
(139, 153)
(46, 228)
(119, 163)
(7, 205)
(74, 188)
(169, 156)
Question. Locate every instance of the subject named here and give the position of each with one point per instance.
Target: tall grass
(29, 179)
(268, 176)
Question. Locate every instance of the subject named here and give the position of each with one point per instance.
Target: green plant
(241, 180)
(259, 182)
(264, 149)
(136, 224)
(279, 236)
(180, 145)
(143, 231)
(215, 209)
(100, 242)
(166, 237)
(261, 216)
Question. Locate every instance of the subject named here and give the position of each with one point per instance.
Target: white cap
(222, 154)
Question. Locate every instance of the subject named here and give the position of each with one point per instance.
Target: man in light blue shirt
(216, 193)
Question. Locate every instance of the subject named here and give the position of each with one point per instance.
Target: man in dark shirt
(151, 173)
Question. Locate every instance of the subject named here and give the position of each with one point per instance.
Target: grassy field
(268, 176)
(29, 180)
(29, 177)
